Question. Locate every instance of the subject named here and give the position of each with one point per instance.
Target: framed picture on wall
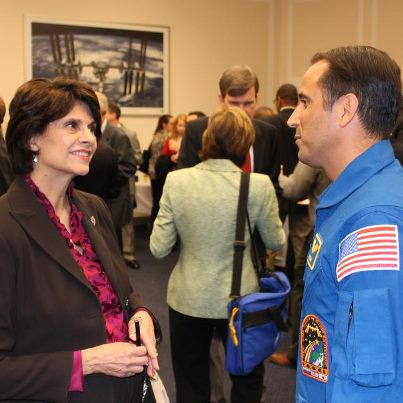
(129, 63)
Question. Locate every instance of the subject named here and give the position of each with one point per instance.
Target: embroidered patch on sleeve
(370, 248)
(314, 252)
(314, 349)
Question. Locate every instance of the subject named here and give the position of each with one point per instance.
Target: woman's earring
(35, 159)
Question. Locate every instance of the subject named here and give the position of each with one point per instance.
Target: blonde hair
(181, 116)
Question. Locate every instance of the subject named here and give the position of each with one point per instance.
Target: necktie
(246, 167)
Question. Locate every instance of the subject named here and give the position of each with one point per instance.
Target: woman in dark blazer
(66, 305)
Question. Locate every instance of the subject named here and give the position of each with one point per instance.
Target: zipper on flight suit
(350, 317)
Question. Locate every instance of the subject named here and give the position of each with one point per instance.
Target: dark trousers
(157, 186)
(190, 344)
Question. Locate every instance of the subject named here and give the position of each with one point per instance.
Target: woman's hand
(115, 359)
(147, 338)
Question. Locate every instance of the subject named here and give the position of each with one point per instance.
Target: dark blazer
(288, 154)
(47, 307)
(6, 171)
(265, 148)
(102, 178)
(288, 150)
(121, 206)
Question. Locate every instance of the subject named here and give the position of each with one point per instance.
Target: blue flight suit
(351, 334)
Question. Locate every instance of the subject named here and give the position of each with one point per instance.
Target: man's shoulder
(264, 128)
(273, 119)
(113, 131)
(198, 125)
(129, 132)
(280, 119)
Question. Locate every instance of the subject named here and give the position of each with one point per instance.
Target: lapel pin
(93, 220)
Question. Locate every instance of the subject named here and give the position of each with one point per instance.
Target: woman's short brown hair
(37, 103)
(229, 135)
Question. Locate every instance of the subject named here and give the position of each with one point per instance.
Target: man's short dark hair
(237, 80)
(288, 93)
(37, 103)
(199, 114)
(114, 108)
(372, 76)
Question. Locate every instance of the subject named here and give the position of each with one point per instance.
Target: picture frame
(129, 63)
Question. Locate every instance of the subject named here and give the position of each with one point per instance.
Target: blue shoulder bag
(256, 321)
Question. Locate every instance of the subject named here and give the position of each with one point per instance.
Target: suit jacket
(102, 178)
(121, 206)
(265, 148)
(47, 307)
(288, 150)
(199, 205)
(6, 171)
(288, 154)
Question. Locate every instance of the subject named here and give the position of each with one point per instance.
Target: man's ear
(220, 99)
(348, 106)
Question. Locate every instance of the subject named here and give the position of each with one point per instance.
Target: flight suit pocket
(369, 338)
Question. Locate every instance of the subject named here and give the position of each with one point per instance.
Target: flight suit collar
(359, 171)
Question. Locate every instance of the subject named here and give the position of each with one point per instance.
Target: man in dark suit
(239, 86)
(286, 101)
(102, 179)
(121, 206)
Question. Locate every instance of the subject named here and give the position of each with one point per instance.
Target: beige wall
(276, 37)
(303, 27)
(205, 38)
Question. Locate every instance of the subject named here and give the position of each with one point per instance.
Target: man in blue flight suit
(351, 334)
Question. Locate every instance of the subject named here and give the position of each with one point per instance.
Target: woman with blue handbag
(199, 206)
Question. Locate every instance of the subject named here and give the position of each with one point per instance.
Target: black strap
(239, 244)
(260, 269)
(255, 255)
(273, 313)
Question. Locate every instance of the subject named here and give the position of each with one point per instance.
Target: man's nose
(293, 119)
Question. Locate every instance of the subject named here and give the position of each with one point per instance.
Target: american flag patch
(369, 248)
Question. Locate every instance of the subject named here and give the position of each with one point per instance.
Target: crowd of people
(324, 179)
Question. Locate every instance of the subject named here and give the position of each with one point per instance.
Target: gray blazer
(199, 205)
(122, 206)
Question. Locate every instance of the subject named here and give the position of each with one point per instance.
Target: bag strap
(239, 244)
(255, 259)
(261, 271)
(272, 313)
